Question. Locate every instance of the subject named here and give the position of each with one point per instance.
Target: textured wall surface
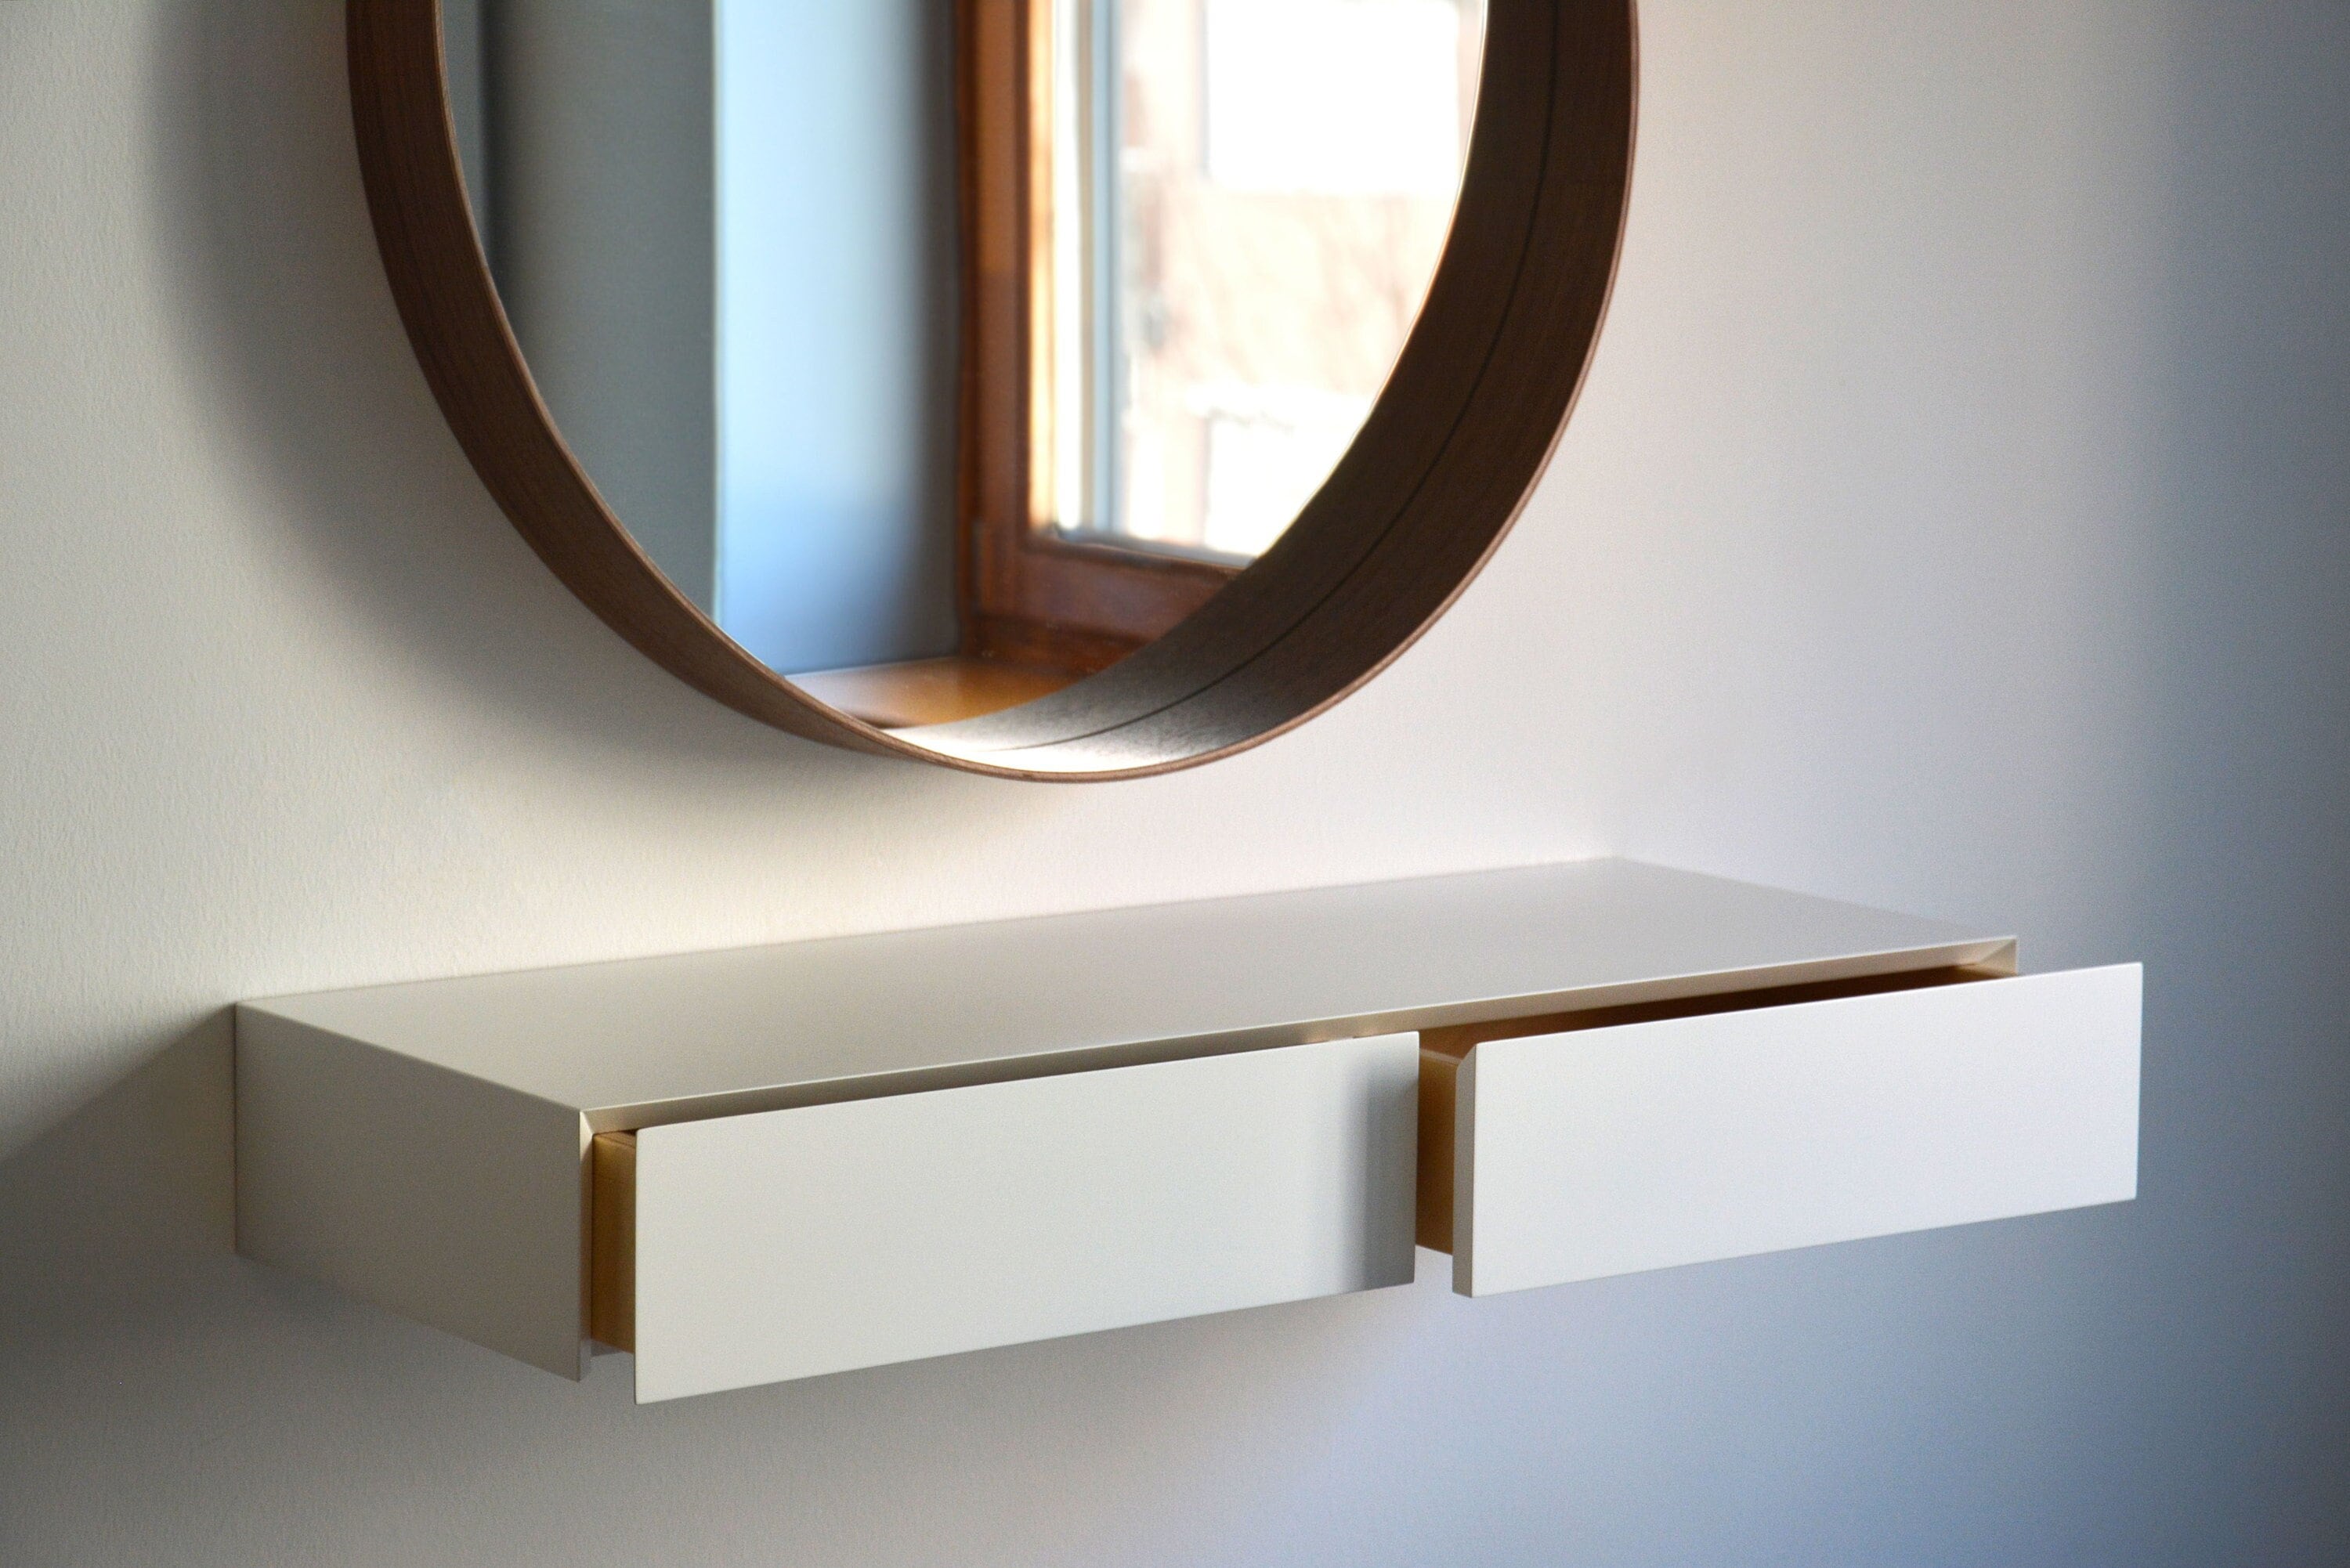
(1955, 520)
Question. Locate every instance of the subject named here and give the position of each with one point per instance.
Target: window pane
(1285, 174)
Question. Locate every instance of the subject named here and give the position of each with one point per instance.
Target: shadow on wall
(134, 1184)
(137, 1344)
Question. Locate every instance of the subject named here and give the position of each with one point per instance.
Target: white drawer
(754, 1248)
(1554, 1156)
(873, 1148)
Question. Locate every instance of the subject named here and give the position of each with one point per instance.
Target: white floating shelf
(777, 1162)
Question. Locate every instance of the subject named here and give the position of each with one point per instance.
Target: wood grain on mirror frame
(1445, 459)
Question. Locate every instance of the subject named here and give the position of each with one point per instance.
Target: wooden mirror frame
(1446, 459)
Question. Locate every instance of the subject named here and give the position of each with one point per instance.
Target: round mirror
(1052, 388)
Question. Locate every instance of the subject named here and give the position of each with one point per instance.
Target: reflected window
(991, 336)
(1233, 216)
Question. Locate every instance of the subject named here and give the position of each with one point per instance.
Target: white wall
(1955, 520)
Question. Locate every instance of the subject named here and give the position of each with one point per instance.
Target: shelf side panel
(438, 1195)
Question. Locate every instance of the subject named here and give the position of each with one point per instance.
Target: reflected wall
(724, 231)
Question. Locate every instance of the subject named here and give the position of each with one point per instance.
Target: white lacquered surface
(798, 1243)
(412, 1187)
(636, 1044)
(1609, 1151)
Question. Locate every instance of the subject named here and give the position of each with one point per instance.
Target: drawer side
(612, 1250)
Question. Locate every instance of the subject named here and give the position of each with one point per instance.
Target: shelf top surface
(643, 1041)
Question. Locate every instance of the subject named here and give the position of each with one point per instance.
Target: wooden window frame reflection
(1028, 594)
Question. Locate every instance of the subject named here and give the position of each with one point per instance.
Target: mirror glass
(944, 351)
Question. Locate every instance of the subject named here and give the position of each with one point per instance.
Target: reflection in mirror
(944, 353)
(1244, 204)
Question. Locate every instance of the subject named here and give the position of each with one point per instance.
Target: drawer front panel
(798, 1243)
(1609, 1151)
